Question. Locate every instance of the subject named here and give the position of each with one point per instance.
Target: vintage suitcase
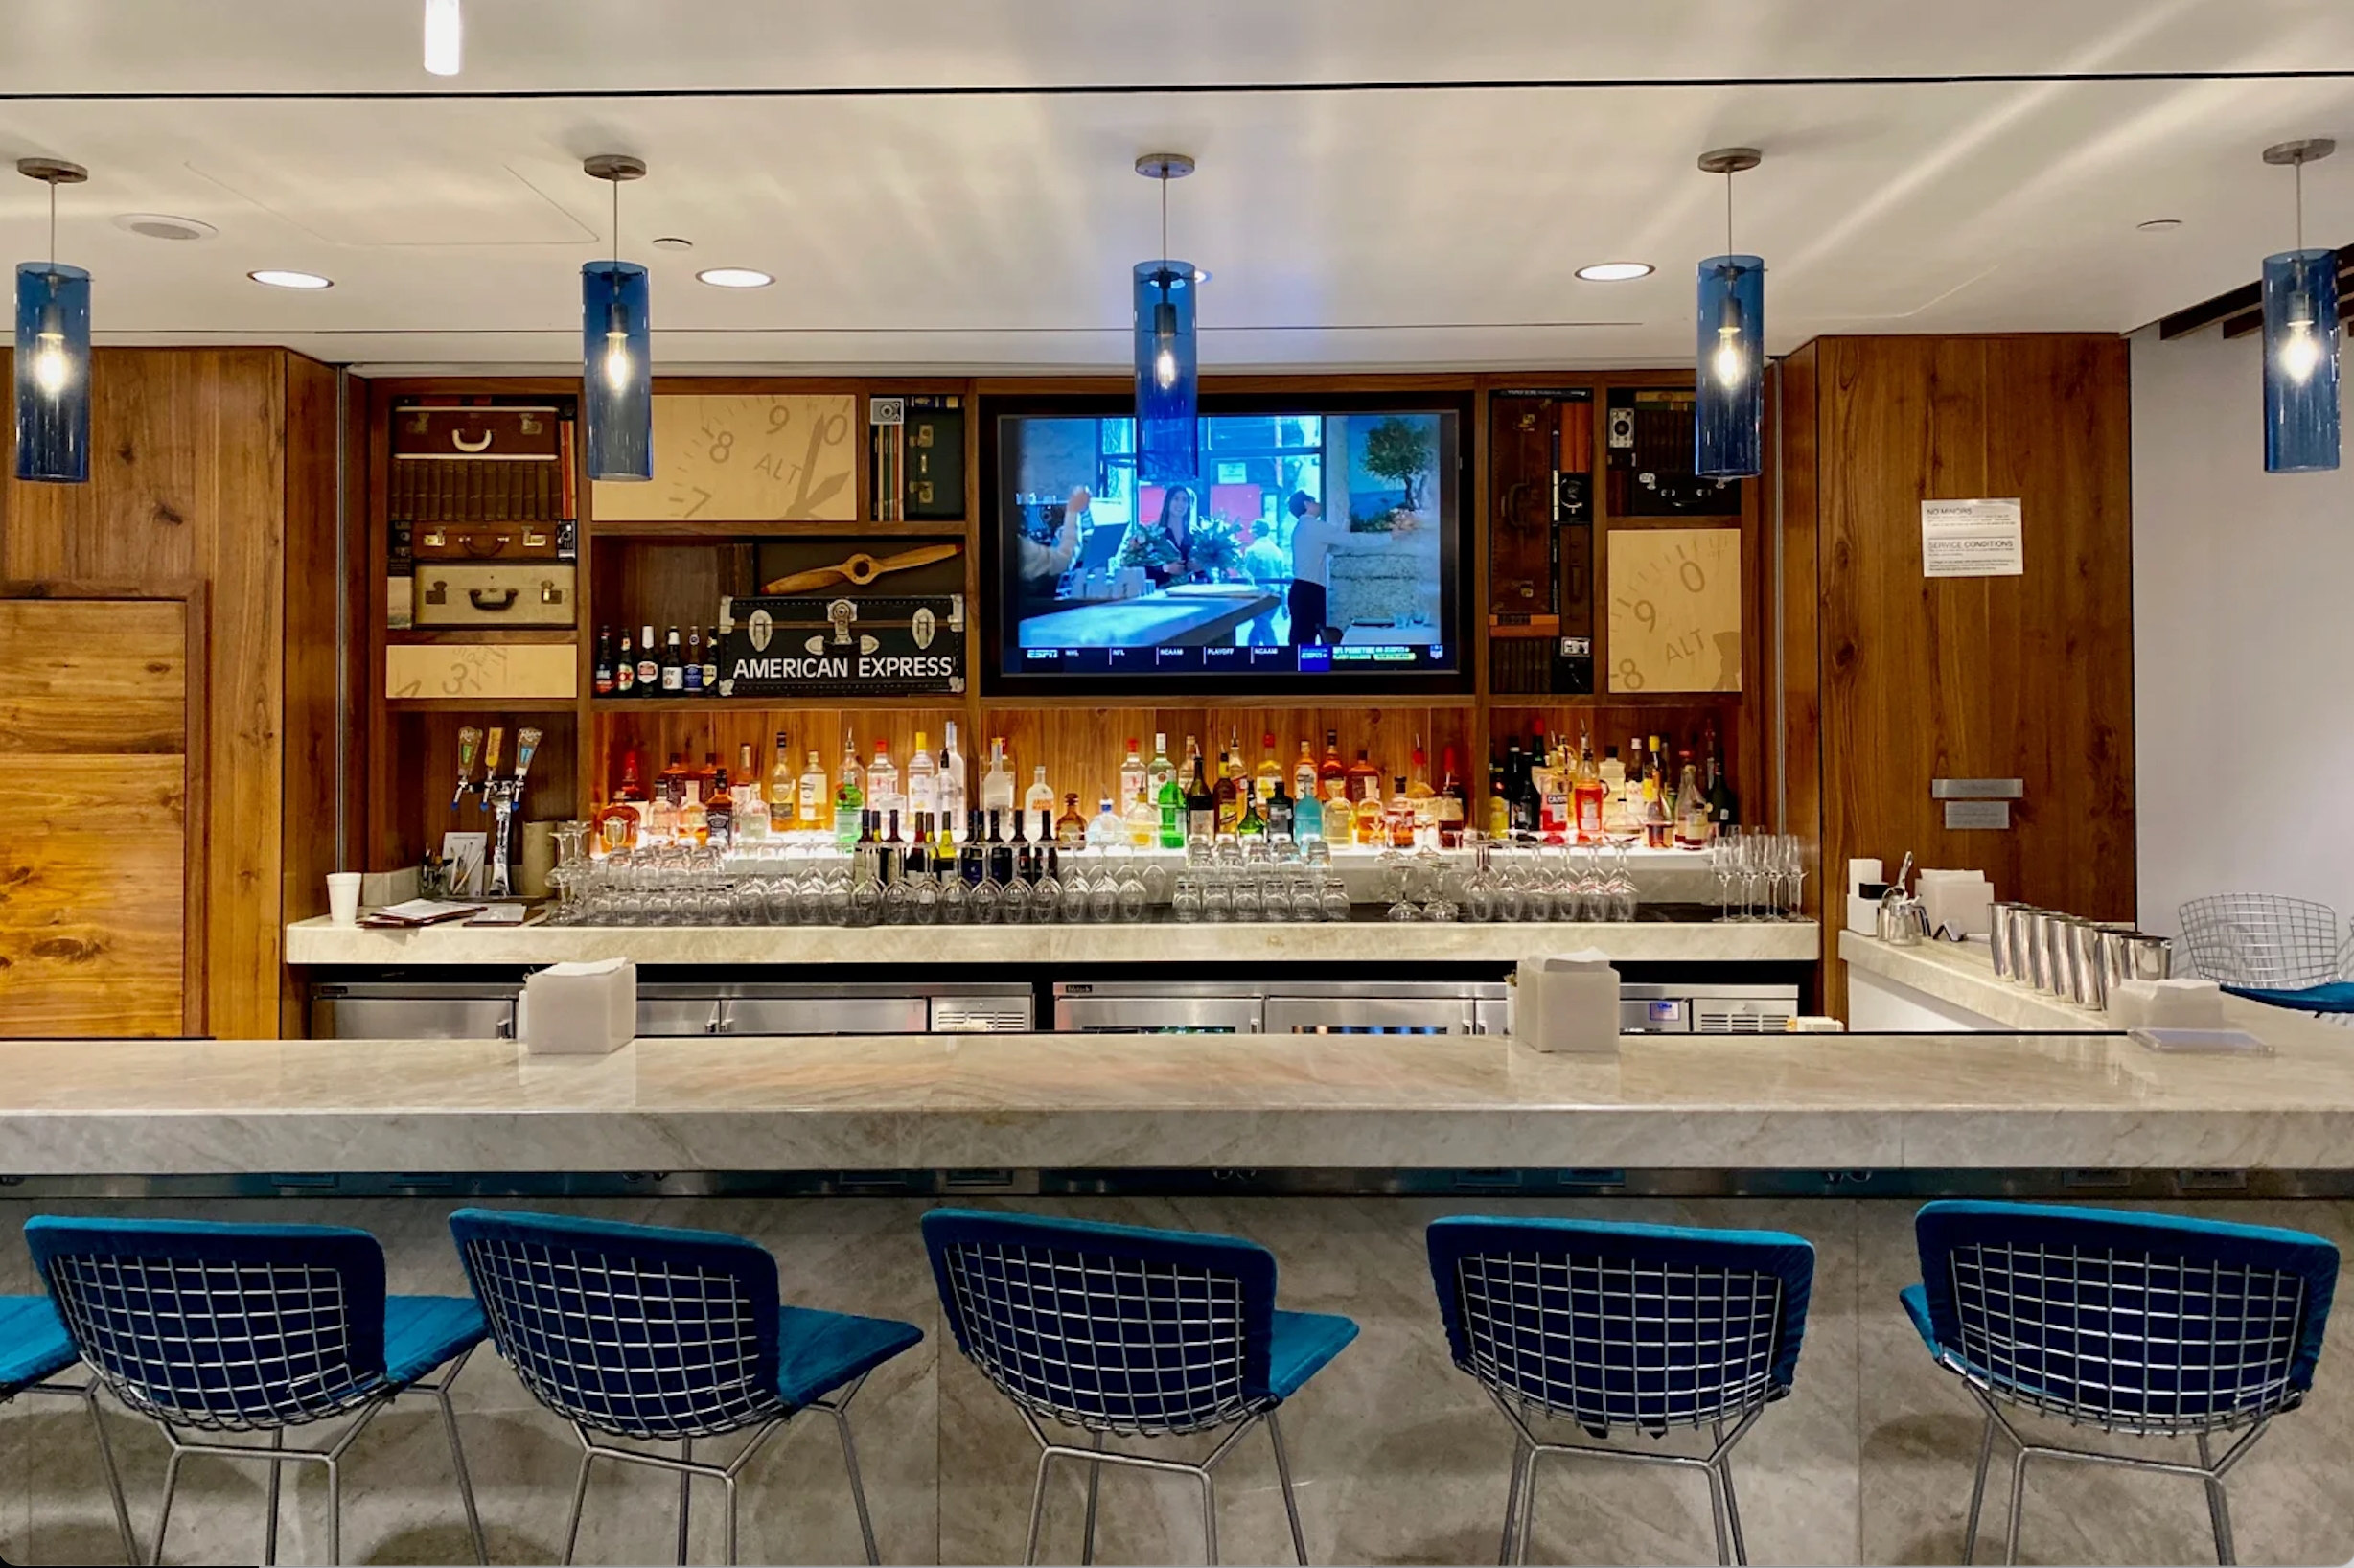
(477, 431)
(482, 593)
(841, 645)
(483, 541)
(934, 476)
(480, 462)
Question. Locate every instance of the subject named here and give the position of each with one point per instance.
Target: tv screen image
(1309, 543)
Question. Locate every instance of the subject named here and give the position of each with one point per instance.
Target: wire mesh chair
(1642, 1328)
(2262, 939)
(223, 1329)
(1122, 1331)
(2136, 1324)
(642, 1332)
(34, 1349)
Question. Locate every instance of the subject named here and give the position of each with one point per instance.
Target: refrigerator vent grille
(1742, 1022)
(986, 1017)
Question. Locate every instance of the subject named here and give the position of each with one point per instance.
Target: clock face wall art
(1675, 609)
(744, 458)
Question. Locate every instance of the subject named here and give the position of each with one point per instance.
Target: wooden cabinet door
(94, 763)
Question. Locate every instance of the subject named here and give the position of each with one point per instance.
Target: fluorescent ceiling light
(1614, 271)
(279, 278)
(734, 277)
(445, 36)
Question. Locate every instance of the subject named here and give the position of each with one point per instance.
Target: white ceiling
(1373, 228)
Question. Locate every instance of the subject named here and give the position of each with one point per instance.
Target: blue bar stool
(2144, 1325)
(1645, 1328)
(250, 1328)
(664, 1335)
(1122, 1331)
(34, 1349)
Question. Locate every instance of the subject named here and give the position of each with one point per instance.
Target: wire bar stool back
(1622, 1326)
(632, 1330)
(1109, 1327)
(2141, 1324)
(2263, 940)
(221, 1327)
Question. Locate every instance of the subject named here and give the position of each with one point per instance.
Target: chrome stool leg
(1721, 1465)
(269, 1507)
(1716, 1517)
(1291, 1503)
(439, 1388)
(579, 1499)
(1038, 1507)
(1527, 1505)
(2219, 1507)
(686, 1455)
(2019, 1504)
(87, 1394)
(1210, 1516)
(839, 1407)
(730, 1535)
(163, 1516)
(1094, 1480)
(1512, 1504)
(1977, 1492)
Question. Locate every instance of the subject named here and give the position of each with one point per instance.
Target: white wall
(2243, 641)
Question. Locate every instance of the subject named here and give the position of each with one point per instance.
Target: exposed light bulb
(2301, 351)
(1165, 368)
(445, 36)
(1730, 364)
(1164, 343)
(618, 367)
(52, 368)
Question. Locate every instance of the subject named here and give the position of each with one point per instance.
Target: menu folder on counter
(421, 912)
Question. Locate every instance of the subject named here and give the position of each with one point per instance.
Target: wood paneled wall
(213, 470)
(2028, 677)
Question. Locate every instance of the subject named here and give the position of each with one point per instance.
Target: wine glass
(1185, 901)
(1133, 896)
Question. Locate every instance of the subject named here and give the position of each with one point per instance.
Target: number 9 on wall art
(1675, 609)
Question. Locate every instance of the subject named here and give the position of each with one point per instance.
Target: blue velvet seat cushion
(1302, 1343)
(820, 1351)
(421, 1332)
(33, 1342)
(2329, 997)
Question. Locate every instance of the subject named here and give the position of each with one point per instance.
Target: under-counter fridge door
(1157, 1015)
(412, 1018)
(827, 1015)
(1368, 1015)
(665, 1017)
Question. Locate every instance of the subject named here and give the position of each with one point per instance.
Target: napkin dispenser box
(1567, 1005)
(580, 1009)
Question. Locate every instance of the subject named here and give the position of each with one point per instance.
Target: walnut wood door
(94, 764)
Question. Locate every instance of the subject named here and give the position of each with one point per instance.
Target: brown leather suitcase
(483, 541)
(476, 430)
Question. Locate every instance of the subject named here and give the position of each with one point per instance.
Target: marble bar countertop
(316, 942)
(1963, 975)
(1709, 1102)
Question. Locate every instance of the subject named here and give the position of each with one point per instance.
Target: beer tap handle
(527, 742)
(490, 763)
(469, 741)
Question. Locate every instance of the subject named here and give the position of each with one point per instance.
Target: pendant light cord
(52, 227)
(2297, 169)
(616, 233)
(1164, 219)
(1728, 212)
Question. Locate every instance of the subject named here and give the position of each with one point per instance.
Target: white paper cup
(343, 897)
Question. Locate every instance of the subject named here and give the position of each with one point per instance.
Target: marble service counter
(1194, 1102)
(316, 944)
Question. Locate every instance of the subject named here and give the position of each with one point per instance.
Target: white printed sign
(1972, 538)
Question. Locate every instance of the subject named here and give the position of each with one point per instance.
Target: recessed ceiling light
(445, 37)
(734, 277)
(1614, 271)
(279, 278)
(2159, 225)
(164, 227)
(672, 241)
(1201, 274)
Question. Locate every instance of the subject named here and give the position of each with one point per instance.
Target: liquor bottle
(671, 782)
(1364, 779)
(923, 777)
(1282, 817)
(694, 828)
(809, 802)
(625, 669)
(1692, 826)
(1303, 773)
(752, 807)
(711, 663)
(1038, 803)
(706, 774)
(917, 863)
(1251, 825)
(1170, 800)
(1555, 785)
(973, 853)
(673, 665)
(953, 795)
(866, 868)
(1226, 800)
(782, 785)
(649, 663)
(1070, 828)
(1421, 800)
(1723, 805)
(606, 679)
(719, 811)
(633, 783)
(1499, 799)
(1613, 776)
(1270, 769)
(893, 860)
(1201, 806)
(1517, 815)
(1454, 805)
(1331, 773)
(882, 779)
(1142, 816)
(1000, 853)
(849, 795)
(1027, 857)
(1399, 816)
(690, 673)
(997, 784)
(1658, 832)
(1368, 828)
(1308, 818)
(1588, 794)
(1131, 774)
(1106, 831)
(1160, 770)
(1659, 775)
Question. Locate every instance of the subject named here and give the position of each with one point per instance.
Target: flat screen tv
(1317, 549)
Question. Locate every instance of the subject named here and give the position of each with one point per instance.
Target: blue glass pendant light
(617, 362)
(1168, 381)
(2300, 338)
(53, 351)
(1729, 414)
